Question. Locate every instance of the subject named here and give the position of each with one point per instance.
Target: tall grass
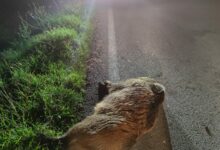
(42, 78)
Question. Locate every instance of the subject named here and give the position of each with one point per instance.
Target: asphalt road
(178, 43)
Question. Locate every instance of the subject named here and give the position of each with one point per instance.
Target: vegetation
(42, 78)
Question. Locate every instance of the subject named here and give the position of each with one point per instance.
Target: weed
(42, 79)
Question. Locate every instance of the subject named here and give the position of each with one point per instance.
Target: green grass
(42, 79)
(55, 44)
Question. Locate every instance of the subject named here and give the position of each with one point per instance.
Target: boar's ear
(159, 91)
(157, 88)
(103, 89)
(108, 84)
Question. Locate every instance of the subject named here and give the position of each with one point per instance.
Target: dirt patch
(96, 71)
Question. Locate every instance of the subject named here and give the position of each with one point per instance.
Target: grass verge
(42, 78)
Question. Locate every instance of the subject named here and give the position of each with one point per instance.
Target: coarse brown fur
(125, 114)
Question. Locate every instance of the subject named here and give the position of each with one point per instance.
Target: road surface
(176, 42)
